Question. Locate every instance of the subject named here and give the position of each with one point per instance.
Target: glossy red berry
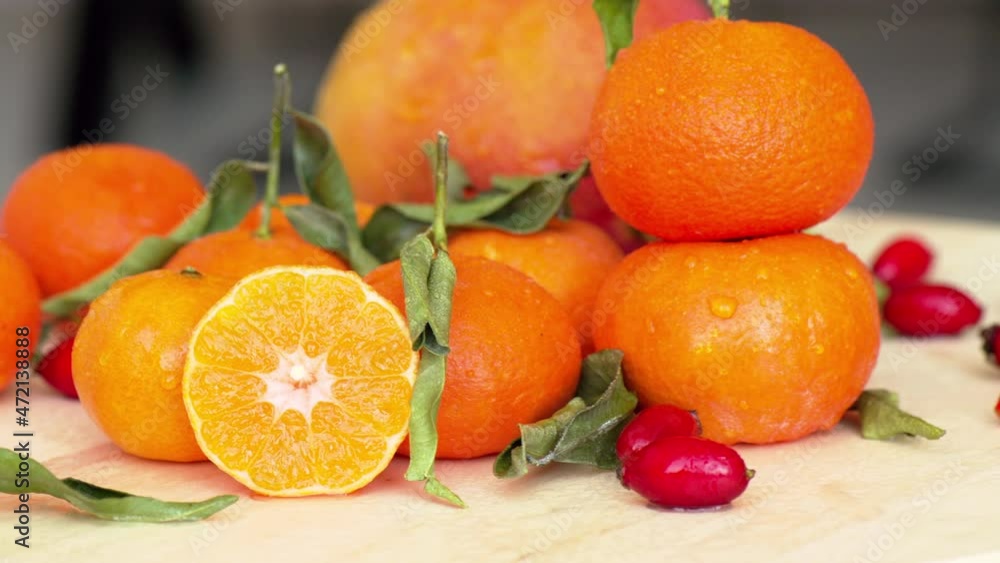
(57, 368)
(903, 263)
(996, 409)
(655, 422)
(686, 472)
(931, 310)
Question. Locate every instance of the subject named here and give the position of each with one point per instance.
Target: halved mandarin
(298, 382)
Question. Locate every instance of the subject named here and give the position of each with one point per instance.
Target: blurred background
(931, 74)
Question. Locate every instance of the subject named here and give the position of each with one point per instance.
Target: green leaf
(616, 17)
(423, 426)
(720, 8)
(599, 372)
(882, 419)
(517, 204)
(232, 193)
(428, 284)
(458, 178)
(440, 288)
(584, 431)
(107, 504)
(150, 253)
(318, 166)
(323, 178)
(326, 229)
(388, 231)
(415, 261)
(438, 489)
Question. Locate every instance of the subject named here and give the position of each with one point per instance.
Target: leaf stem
(438, 227)
(720, 8)
(282, 89)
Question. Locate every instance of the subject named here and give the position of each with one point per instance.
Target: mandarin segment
(340, 459)
(223, 390)
(276, 308)
(329, 318)
(373, 346)
(240, 432)
(296, 428)
(229, 340)
(334, 419)
(375, 402)
(283, 459)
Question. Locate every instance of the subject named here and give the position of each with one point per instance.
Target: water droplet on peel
(691, 262)
(762, 274)
(819, 349)
(853, 274)
(661, 91)
(722, 306)
(744, 405)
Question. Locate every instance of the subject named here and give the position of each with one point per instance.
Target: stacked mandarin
(725, 139)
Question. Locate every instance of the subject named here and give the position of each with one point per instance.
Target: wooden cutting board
(830, 497)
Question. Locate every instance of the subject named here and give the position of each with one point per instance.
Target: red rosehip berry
(903, 263)
(57, 368)
(930, 310)
(686, 472)
(655, 422)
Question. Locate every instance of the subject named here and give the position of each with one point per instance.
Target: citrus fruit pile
(300, 342)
